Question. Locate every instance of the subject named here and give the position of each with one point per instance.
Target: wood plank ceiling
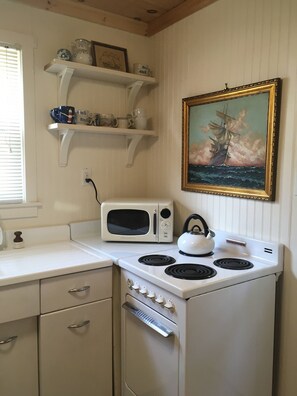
(144, 17)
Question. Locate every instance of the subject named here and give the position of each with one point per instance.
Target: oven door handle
(147, 320)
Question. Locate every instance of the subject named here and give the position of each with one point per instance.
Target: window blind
(11, 126)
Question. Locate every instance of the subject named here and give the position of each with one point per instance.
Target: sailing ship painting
(230, 141)
(223, 136)
(227, 144)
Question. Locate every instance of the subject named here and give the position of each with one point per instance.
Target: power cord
(96, 192)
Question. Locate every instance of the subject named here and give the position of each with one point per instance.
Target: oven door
(150, 352)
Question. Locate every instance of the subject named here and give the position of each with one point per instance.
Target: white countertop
(59, 250)
(40, 259)
(88, 235)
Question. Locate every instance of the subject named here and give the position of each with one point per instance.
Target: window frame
(29, 208)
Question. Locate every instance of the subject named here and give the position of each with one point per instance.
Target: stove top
(234, 260)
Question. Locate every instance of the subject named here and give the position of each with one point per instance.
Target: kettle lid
(196, 230)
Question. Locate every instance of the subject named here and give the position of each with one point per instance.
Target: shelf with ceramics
(65, 70)
(66, 132)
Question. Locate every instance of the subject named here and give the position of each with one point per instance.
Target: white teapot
(196, 242)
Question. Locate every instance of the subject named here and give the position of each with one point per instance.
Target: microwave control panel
(166, 223)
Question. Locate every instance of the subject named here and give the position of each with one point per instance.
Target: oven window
(128, 222)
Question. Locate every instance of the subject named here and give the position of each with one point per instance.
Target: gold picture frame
(230, 141)
(109, 56)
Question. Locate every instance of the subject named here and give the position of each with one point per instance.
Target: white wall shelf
(65, 70)
(66, 132)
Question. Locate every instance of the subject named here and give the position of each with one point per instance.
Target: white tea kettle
(196, 242)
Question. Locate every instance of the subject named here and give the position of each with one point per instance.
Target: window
(11, 126)
(17, 127)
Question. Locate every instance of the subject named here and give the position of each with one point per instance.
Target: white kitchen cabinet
(18, 339)
(75, 344)
(65, 70)
(18, 358)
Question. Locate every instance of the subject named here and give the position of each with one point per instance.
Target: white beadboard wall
(236, 42)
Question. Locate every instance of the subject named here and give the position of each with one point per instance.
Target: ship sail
(221, 141)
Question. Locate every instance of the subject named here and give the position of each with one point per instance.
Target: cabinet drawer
(19, 301)
(75, 289)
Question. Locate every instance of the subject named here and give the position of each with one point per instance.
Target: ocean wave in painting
(251, 177)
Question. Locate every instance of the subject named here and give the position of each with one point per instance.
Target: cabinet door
(18, 358)
(75, 351)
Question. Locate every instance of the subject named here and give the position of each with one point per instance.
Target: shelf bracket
(132, 144)
(133, 91)
(64, 80)
(65, 137)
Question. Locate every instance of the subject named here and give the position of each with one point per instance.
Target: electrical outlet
(86, 173)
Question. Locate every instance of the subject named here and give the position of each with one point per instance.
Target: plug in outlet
(86, 173)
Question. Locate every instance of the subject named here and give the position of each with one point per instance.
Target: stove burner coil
(190, 271)
(233, 264)
(156, 260)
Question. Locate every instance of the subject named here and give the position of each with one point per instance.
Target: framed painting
(109, 56)
(230, 141)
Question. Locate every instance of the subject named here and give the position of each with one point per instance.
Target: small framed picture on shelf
(109, 56)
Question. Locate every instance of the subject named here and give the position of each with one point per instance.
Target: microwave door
(133, 224)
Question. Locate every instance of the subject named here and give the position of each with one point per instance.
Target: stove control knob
(169, 305)
(143, 291)
(151, 295)
(130, 283)
(160, 300)
(136, 287)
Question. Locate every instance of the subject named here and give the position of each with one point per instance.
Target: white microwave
(137, 220)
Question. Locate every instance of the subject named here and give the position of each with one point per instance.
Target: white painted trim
(19, 211)
(27, 43)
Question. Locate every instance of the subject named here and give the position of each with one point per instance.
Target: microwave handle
(155, 223)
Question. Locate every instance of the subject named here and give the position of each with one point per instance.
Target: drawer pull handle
(78, 325)
(8, 340)
(79, 290)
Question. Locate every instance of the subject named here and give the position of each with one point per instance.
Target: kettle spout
(210, 234)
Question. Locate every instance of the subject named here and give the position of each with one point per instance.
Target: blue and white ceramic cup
(64, 54)
(63, 114)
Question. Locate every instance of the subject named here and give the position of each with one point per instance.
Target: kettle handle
(196, 216)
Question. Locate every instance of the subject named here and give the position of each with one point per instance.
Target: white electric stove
(200, 325)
